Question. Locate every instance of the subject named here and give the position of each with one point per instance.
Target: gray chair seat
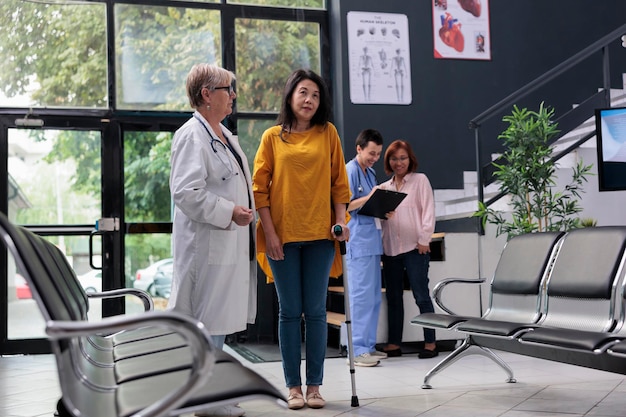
(228, 380)
(438, 320)
(570, 339)
(139, 334)
(161, 362)
(496, 328)
(144, 347)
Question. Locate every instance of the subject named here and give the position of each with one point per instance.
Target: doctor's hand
(242, 216)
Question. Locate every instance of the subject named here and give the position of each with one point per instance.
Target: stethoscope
(223, 155)
(368, 170)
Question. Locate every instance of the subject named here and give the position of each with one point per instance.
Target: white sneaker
(365, 359)
(379, 354)
(223, 411)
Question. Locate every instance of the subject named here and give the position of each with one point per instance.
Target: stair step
(335, 319)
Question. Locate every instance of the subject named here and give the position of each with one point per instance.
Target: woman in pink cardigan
(406, 244)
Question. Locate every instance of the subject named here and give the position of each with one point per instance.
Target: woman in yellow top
(301, 192)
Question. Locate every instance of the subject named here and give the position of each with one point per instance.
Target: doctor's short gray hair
(206, 76)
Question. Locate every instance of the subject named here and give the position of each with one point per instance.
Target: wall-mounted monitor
(611, 137)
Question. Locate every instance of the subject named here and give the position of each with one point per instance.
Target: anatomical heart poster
(379, 58)
(461, 29)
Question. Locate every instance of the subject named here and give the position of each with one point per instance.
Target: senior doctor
(213, 244)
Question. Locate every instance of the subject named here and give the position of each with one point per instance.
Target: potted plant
(528, 177)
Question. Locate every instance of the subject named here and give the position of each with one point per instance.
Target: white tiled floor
(472, 387)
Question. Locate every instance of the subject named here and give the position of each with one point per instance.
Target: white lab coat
(214, 278)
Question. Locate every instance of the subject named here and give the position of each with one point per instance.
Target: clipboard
(382, 202)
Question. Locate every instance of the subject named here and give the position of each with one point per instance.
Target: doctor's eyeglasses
(230, 89)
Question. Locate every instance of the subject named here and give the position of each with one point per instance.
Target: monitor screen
(611, 144)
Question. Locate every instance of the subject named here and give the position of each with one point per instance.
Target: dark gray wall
(528, 38)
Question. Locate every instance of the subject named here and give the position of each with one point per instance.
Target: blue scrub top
(365, 238)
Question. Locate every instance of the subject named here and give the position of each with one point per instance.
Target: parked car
(22, 290)
(163, 280)
(144, 278)
(91, 281)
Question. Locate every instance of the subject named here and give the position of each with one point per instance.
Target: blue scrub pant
(301, 281)
(365, 296)
(218, 340)
(416, 266)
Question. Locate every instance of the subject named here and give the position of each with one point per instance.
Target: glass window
(250, 132)
(267, 51)
(147, 199)
(146, 176)
(149, 264)
(53, 54)
(155, 49)
(54, 176)
(25, 319)
(300, 4)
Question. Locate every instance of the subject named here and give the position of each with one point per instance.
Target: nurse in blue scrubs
(363, 251)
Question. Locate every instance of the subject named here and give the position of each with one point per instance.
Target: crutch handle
(338, 230)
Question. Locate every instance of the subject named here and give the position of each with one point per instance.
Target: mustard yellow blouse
(299, 177)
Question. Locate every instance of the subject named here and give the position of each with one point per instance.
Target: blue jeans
(301, 281)
(416, 266)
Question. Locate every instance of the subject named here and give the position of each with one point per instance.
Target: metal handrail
(549, 76)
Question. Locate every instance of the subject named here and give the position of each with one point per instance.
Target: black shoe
(393, 353)
(427, 354)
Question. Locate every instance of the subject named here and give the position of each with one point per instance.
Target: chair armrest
(438, 290)
(144, 296)
(202, 349)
